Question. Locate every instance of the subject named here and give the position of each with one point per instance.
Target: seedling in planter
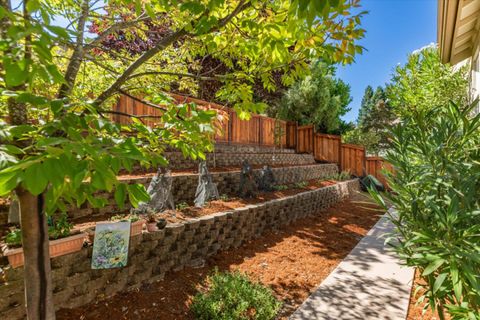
(151, 221)
(59, 227)
(14, 238)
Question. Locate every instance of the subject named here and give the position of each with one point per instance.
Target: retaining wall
(226, 159)
(151, 255)
(184, 185)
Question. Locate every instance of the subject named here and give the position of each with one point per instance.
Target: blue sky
(394, 29)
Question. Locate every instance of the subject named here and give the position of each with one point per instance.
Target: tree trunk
(37, 270)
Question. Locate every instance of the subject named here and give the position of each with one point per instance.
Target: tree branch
(161, 45)
(177, 74)
(77, 55)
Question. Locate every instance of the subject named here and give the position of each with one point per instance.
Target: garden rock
(206, 189)
(160, 192)
(248, 187)
(266, 180)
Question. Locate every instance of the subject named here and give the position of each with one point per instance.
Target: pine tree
(365, 105)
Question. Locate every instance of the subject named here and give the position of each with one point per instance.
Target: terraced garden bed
(292, 261)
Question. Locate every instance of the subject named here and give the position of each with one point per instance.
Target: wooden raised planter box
(59, 247)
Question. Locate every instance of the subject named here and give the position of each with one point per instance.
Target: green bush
(301, 184)
(233, 296)
(280, 187)
(436, 192)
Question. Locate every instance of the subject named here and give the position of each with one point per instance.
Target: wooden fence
(375, 166)
(265, 131)
(258, 130)
(327, 148)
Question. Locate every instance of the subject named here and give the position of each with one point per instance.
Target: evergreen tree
(319, 99)
(365, 105)
(374, 118)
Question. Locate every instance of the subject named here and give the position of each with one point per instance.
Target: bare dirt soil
(292, 261)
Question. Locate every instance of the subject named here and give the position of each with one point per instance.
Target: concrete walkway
(369, 283)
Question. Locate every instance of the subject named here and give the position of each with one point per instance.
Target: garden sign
(110, 247)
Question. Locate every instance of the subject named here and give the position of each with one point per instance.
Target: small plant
(225, 197)
(133, 217)
(234, 296)
(181, 206)
(14, 238)
(344, 175)
(280, 187)
(151, 217)
(59, 227)
(301, 184)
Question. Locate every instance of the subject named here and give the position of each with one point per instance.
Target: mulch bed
(214, 206)
(415, 310)
(292, 261)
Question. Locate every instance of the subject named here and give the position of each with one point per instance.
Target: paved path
(368, 284)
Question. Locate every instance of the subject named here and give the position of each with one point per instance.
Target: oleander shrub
(436, 193)
(234, 296)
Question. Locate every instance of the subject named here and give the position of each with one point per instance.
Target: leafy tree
(57, 84)
(370, 140)
(436, 192)
(319, 99)
(424, 82)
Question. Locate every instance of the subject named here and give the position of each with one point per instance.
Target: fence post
(230, 127)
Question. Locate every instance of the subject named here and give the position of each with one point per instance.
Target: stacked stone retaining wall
(151, 255)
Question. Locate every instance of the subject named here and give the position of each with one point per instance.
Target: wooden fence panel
(353, 159)
(267, 131)
(291, 135)
(327, 148)
(305, 139)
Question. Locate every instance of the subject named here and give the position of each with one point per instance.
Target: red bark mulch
(293, 261)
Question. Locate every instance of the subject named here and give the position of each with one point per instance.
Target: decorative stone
(160, 191)
(266, 180)
(206, 189)
(248, 187)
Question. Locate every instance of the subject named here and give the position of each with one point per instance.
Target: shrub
(181, 206)
(436, 192)
(280, 187)
(301, 184)
(14, 238)
(224, 197)
(234, 296)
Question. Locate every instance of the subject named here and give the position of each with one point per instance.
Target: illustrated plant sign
(110, 248)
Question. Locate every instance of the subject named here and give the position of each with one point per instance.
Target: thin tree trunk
(37, 269)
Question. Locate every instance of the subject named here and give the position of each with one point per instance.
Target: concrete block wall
(227, 159)
(151, 255)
